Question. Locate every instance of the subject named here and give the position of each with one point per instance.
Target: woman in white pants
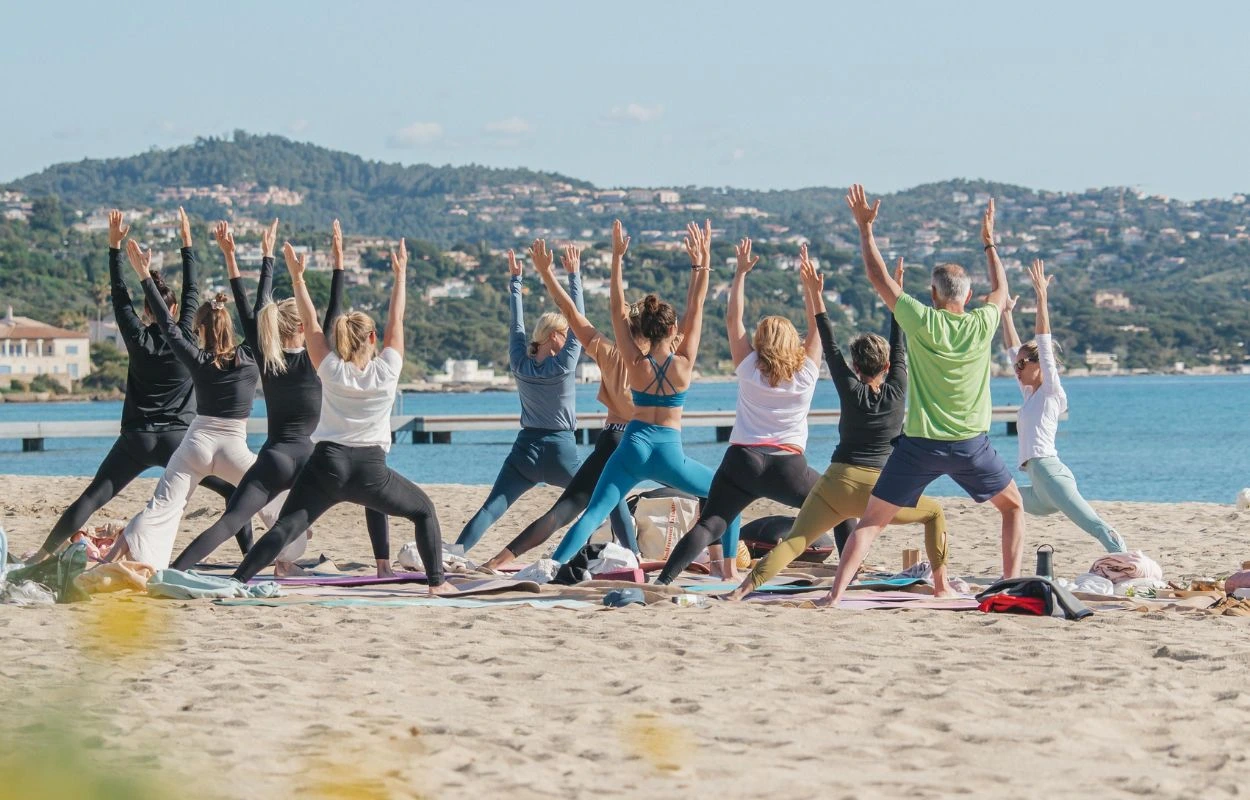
(224, 376)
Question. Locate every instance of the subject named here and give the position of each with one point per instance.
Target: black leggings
(574, 499)
(746, 474)
(131, 454)
(277, 465)
(337, 473)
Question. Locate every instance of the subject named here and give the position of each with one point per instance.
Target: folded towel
(178, 585)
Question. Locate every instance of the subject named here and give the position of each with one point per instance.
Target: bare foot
(945, 594)
(737, 595)
(443, 589)
(288, 569)
(827, 601)
(385, 570)
(497, 563)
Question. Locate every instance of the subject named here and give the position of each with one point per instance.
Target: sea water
(1153, 438)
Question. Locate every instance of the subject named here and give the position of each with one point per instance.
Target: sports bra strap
(661, 376)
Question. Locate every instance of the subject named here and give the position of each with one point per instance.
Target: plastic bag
(613, 557)
(541, 571)
(409, 558)
(26, 593)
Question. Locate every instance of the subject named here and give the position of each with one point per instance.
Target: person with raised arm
(353, 434)
(613, 394)
(159, 404)
(275, 334)
(948, 398)
(1053, 487)
(224, 375)
(777, 374)
(544, 366)
(659, 378)
(872, 390)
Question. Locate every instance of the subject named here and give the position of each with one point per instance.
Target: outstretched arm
(245, 312)
(264, 287)
(699, 246)
(314, 337)
(616, 297)
(394, 337)
(123, 311)
(335, 307)
(998, 276)
(739, 342)
(1045, 345)
(1011, 339)
(865, 215)
(190, 301)
(184, 348)
(516, 337)
(578, 323)
(813, 301)
(898, 344)
(572, 350)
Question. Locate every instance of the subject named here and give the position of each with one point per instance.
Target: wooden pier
(431, 429)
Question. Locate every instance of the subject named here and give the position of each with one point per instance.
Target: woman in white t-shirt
(1053, 488)
(348, 462)
(776, 380)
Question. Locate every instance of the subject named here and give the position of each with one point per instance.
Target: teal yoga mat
(444, 602)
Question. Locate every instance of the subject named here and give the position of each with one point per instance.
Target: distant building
(588, 372)
(106, 330)
(1102, 362)
(466, 371)
(29, 348)
(667, 197)
(1115, 301)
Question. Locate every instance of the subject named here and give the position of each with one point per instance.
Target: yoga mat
(879, 600)
(344, 580)
(443, 602)
(473, 587)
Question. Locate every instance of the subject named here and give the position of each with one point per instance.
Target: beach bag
(662, 517)
(1032, 595)
(577, 569)
(763, 534)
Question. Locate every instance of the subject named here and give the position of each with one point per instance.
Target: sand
(203, 701)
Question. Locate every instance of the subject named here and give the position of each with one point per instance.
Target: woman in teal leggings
(651, 447)
(1053, 489)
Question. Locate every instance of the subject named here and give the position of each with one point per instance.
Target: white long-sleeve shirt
(1038, 420)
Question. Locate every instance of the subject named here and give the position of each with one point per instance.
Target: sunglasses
(1021, 363)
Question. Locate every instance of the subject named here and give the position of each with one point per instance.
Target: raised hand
(140, 259)
(1041, 281)
(541, 256)
(865, 215)
(620, 242)
(898, 272)
(225, 238)
(269, 238)
(294, 263)
(514, 266)
(571, 258)
(1011, 303)
(813, 281)
(117, 231)
(399, 259)
(336, 244)
(184, 223)
(746, 262)
(698, 244)
(987, 225)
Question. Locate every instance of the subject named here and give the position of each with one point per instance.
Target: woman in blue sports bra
(651, 448)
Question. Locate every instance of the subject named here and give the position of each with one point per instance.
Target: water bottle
(692, 601)
(1046, 561)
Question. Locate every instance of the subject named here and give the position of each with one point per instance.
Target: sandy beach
(207, 701)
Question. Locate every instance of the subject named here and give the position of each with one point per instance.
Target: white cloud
(415, 135)
(636, 112)
(512, 126)
(297, 126)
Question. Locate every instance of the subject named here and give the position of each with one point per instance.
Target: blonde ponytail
(549, 323)
(351, 336)
(276, 324)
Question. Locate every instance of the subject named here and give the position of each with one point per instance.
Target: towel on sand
(1118, 567)
(174, 584)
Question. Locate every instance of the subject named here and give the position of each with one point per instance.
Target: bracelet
(990, 247)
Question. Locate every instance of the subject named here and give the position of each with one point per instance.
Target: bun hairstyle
(351, 336)
(778, 349)
(212, 320)
(656, 319)
(162, 288)
(549, 323)
(1029, 350)
(276, 324)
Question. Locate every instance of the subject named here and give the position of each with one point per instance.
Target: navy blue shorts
(973, 463)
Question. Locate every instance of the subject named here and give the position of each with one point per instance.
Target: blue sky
(776, 94)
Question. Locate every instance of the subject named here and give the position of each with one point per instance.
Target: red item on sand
(1010, 604)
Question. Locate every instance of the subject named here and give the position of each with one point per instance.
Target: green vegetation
(1182, 266)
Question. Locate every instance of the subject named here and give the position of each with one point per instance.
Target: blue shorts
(973, 463)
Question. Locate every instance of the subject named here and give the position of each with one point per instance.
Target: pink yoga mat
(344, 580)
